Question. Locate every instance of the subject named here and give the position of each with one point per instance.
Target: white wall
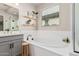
(23, 9)
(13, 5)
(64, 16)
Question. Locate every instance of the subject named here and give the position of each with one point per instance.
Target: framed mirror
(1, 23)
(8, 18)
(50, 16)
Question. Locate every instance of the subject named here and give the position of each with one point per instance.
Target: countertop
(5, 34)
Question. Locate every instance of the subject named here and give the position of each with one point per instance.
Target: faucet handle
(29, 36)
(66, 40)
(32, 38)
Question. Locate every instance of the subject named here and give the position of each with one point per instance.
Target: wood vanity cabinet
(11, 47)
(25, 49)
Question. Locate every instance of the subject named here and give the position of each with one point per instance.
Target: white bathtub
(42, 49)
(50, 42)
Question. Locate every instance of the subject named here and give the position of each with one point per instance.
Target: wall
(65, 17)
(23, 9)
(13, 5)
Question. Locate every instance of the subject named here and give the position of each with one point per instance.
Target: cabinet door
(5, 49)
(16, 47)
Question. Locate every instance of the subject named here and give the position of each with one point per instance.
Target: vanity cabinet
(11, 47)
(5, 49)
(16, 49)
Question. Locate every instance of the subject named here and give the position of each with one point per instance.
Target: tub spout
(30, 37)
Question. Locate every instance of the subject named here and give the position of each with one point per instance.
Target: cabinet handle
(10, 46)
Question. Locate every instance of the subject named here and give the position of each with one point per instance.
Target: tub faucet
(30, 36)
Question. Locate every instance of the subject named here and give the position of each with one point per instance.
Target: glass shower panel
(76, 41)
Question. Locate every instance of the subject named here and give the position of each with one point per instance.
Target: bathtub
(41, 49)
(49, 43)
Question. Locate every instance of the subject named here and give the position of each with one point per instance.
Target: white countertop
(3, 34)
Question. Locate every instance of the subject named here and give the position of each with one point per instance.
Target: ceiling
(8, 9)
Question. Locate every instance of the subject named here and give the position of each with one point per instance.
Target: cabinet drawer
(9, 38)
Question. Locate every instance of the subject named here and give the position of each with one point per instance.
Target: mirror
(8, 18)
(1, 23)
(50, 16)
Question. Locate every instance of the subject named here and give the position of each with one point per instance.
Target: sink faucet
(30, 36)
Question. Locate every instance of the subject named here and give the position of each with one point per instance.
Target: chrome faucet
(29, 36)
